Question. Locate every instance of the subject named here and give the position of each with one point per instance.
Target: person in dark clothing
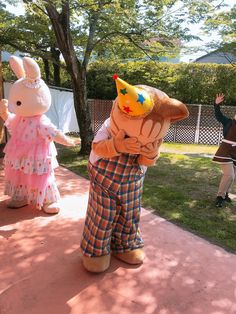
(226, 153)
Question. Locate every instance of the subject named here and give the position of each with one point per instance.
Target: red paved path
(41, 270)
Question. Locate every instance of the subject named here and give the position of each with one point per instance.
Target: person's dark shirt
(226, 121)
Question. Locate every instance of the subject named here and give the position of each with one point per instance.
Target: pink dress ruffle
(30, 159)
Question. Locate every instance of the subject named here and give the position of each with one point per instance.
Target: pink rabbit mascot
(30, 154)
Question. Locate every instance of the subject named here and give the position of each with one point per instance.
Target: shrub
(193, 83)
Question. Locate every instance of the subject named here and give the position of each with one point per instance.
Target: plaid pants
(113, 213)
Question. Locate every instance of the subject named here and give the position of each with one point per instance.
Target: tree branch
(92, 29)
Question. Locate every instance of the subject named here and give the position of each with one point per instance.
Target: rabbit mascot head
(29, 95)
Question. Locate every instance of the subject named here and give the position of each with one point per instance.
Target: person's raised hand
(219, 98)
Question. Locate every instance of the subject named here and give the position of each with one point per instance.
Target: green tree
(32, 34)
(87, 29)
(225, 24)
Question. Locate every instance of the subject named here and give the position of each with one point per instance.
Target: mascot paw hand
(151, 150)
(74, 142)
(77, 141)
(128, 145)
(3, 106)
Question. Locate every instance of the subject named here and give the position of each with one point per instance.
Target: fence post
(196, 139)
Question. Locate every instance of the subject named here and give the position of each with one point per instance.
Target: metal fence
(201, 127)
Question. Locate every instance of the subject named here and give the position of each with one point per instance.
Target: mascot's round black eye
(18, 103)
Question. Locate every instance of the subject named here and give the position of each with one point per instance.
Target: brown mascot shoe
(97, 264)
(133, 257)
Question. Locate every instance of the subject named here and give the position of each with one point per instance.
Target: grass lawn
(181, 187)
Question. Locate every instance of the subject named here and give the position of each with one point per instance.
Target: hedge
(193, 83)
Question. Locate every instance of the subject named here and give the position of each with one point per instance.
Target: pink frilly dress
(30, 159)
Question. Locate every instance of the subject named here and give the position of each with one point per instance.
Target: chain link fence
(201, 127)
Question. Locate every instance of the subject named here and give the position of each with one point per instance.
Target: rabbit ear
(16, 65)
(32, 70)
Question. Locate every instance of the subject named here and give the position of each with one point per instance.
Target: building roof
(219, 57)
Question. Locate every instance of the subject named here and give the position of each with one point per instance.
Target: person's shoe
(219, 201)
(227, 198)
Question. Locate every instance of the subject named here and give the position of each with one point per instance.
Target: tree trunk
(61, 25)
(82, 111)
(2, 128)
(56, 66)
(46, 70)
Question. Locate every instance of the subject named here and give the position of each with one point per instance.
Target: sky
(195, 30)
